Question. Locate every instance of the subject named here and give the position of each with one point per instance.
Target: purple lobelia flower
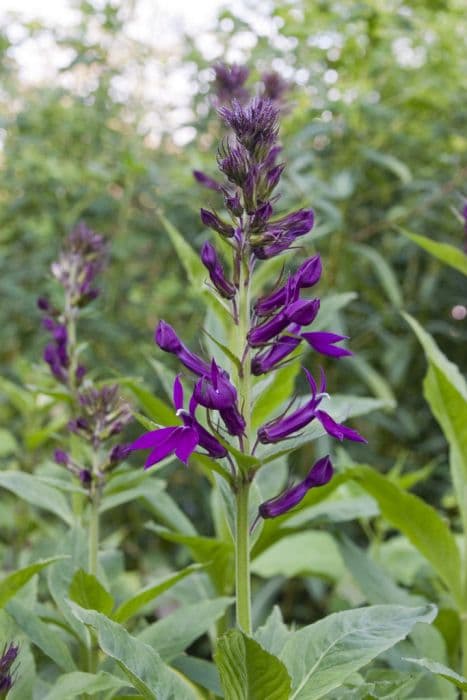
(319, 475)
(7, 659)
(211, 261)
(168, 340)
(307, 275)
(286, 426)
(181, 440)
(325, 343)
(215, 390)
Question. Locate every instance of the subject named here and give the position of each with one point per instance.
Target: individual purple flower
(301, 311)
(285, 426)
(319, 475)
(277, 352)
(213, 221)
(168, 340)
(119, 453)
(307, 275)
(215, 390)
(233, 419)
(325, 343)
(180, 440)
(206, 181)
(61, 457)
(8, 658)
(211, 261)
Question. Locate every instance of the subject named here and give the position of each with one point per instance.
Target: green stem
(93, 551)
(242, 560)
(463, 612)
(242, 534)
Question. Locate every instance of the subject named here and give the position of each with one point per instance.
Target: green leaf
(304, 553)
(8, 443)
(200, 671)
(389, 162)
(39, 633)
(141, 664)
(419, 522)
(11, 584)
(71, 685)
(29, 488)
(225, 350)
(374, 582)
(445, 390)
(375, 381)
(440, 670)
(155, 408)
(89, 593)
(321, 656)
(216, 554)
(273, 634)
(132, 605)
(176, 632)
(248, 672)
(194, 268)
(455, 257)
(383, 271)
(150, 484)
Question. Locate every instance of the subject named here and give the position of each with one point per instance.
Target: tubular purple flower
(8, 658)
(233, 419)
(233, 162)
(211, 261)
(302, 311)
(325, 343)
(309, 272)
(206, 181)
(61, 457)
(341, 432)
(282, 347)
(233, 203)
(211, 220)
(215, 390)
(168, 340)
(319, 475)
(119, 453)
(273, 176)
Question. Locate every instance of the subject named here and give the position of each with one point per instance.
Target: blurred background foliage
(374, 137)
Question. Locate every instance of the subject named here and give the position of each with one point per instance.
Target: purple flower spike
(206, 181)
(215, 390)
(325, 343)
(211, 261)
(341, 432)
(319, 475)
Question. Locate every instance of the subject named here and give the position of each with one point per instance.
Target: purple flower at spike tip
(325, 343)
(255, 124)
(286, 426)
(319, 475)
(180, 440)
(212, 262)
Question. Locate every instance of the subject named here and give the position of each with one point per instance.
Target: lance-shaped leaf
(273, 634)
(88, 592)
(139, 662)
(445, 390)
(40, 635)
(445, 252)
(71, 685)
(441, 670)
(31, 489)
(320, 657)
(13, 582)
(419, 522)
(132, 605)
(248, 672)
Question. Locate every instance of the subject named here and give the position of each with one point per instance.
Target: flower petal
(154, 437)
(337, 430)
(165, 447)
(178, 393)
(187, 441)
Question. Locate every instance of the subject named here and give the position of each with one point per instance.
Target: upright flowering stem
(242, 534)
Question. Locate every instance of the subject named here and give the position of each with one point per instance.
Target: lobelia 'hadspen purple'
(265, 331)
(7, 674)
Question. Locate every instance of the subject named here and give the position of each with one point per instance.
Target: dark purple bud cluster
(104, 414)
(82, 259)
(229, 83)
(7, 674)
(275, 87)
